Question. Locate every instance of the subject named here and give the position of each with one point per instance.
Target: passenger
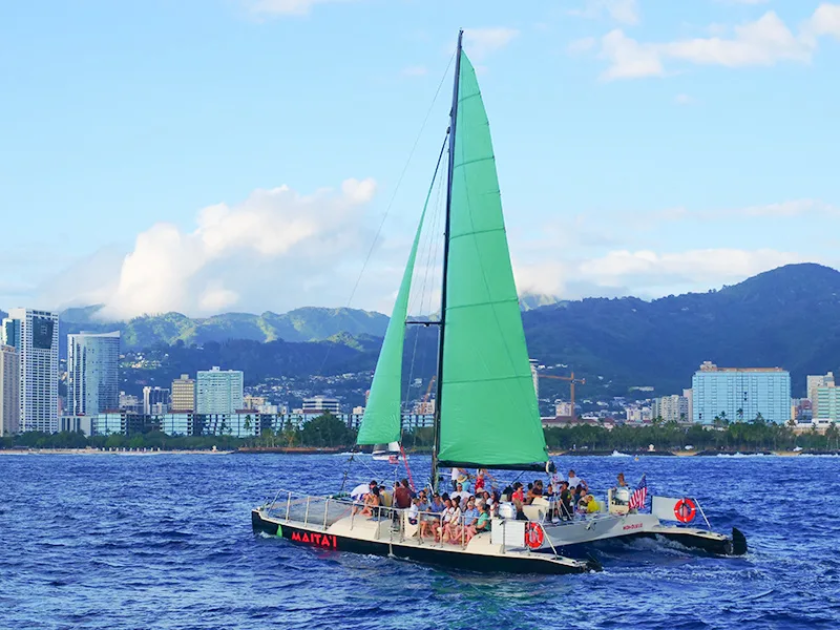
(557, 479)
(372, 502)
(471, 516)
(402, 495)
(424, 502)
(457, 472)
(566, 502)
(592, 505)
(464, 481)
(518, 500)
(414, 512)
(461, 493)
(468, 520)
(481, 477)
(575, 481)
(483, 523)
(430, 521)
(621, 483)
(582, 502)
(445, 517)
(489, 502)
(450, 529)
(480, 480)
(358, 495)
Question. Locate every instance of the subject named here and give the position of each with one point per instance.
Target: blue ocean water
(165, 541)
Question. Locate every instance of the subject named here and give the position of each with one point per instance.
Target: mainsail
(488, 408)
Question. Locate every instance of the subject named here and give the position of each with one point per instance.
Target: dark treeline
(329, 431)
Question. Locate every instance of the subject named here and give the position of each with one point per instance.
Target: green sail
(382, 420)
(489, 411)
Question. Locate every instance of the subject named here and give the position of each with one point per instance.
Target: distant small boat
(387, 453)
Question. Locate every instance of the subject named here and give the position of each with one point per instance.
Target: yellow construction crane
(572, 381)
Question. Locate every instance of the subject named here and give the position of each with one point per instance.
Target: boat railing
(394, 525)
(317, 511)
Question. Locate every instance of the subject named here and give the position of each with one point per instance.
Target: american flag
(637, 500)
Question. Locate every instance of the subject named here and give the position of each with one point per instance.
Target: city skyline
(642, 150)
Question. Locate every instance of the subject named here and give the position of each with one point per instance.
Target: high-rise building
(9, 391)
(826, 403)
(671, 409)
(35, 336)
(689, 396)
(736, 394)
(93, 373)
(183, 394)
(130, 403)
(815, 382)
(155, 401)
(219, 391)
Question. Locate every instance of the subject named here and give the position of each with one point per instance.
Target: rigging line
(430, 254)
(391, 201)
(435, 180)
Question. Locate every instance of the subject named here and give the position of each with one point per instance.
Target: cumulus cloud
(824, 21)
(275, 240)
(647, 273)
(763, 42)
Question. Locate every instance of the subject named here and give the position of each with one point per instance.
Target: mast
(453, 120)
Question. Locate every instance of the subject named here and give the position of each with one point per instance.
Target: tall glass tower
(93, 381)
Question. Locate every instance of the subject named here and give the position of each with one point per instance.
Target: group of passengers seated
(458, 516)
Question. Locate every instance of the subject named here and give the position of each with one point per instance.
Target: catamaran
(486, 411)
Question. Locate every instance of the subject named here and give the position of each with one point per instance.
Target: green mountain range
(788, 317)
(303, 324)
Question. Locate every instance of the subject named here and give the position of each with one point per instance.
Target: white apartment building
(34, 334)
(219, 392)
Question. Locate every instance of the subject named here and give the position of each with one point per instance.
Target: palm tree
(740, 413)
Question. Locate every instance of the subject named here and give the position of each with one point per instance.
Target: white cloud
(764, 42)
(683, 99)
(276, 241)
(628, 58)
(480, 42)
(825, 20)
(701, 266)
(623, 11)
(647, 273)
(285, 7)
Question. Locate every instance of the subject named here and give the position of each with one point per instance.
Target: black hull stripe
(426, 555)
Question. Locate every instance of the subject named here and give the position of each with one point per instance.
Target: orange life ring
(685, 510)
(534, 535)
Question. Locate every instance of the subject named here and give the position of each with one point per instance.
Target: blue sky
(215, 155)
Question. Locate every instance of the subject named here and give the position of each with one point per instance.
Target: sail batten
(488, 408)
